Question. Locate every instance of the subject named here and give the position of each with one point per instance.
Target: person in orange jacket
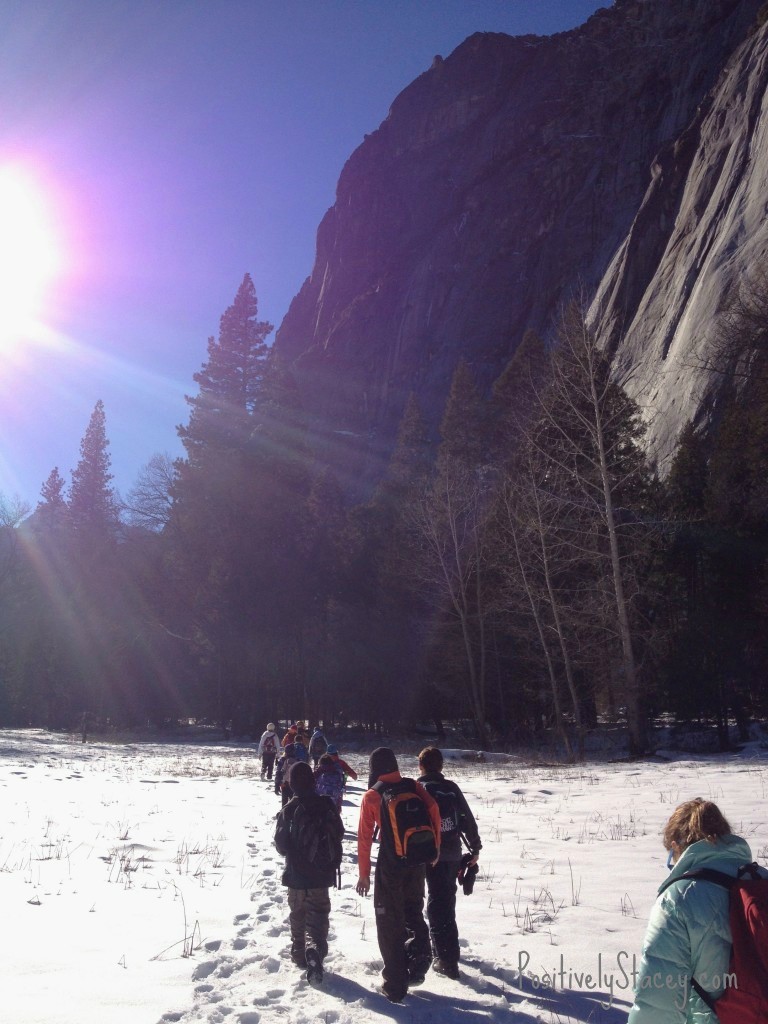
(290, 736)
(398, 890)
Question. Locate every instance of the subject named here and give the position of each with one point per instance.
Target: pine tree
(230, 381)
(463, 429)
(517, 394)
(239, 515)
(52, 510)
(92, 506)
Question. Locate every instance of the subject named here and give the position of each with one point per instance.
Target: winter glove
(467, 874)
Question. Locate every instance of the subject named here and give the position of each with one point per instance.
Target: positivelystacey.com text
(618, 973)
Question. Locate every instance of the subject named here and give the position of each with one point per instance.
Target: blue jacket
(688, 935)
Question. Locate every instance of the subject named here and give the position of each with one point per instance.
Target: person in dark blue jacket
(457, 820)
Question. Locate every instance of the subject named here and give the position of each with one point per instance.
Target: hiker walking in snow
(318, 745)
(290, 735)
(267, 751)
(282, 773)
(689, 931)
(456, 820)
(308, 834)
(398, 890)
(329, 780)
(333, 751)
(302, 736)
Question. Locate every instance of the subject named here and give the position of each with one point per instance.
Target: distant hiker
(398, 890)
(318, 745)
(268, 750)
(282, 777)
(329, 780)
(689, 933)
(456, 821)
(290, 735)
(300, 749)
(302, 736)
(308, 834)
(333, 751)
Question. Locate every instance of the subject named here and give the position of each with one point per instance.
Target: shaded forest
(525, 575)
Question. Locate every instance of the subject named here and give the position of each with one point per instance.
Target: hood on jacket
(726, 854)
(381, 762)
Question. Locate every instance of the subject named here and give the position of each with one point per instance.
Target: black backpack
(316, 834)
(407, 832)
(445, 796)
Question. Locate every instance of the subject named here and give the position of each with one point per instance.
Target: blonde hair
(694, 820)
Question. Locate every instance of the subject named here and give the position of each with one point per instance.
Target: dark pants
(398, 901)
(441, 910)
(309, 922)
(267, 764)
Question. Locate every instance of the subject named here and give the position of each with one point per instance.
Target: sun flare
(29, 257)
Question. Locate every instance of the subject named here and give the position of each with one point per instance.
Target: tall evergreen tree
(230, 380)
(52, 492)
(92, 506)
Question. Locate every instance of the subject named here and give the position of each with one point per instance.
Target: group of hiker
(330, 771)
(710, 917)
(420, 825)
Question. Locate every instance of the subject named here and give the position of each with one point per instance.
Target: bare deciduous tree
(149, 501)
(450, 520)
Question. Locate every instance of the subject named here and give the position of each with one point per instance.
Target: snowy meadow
(139, 885)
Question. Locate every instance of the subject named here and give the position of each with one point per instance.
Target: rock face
(700, 232)
(505, 178)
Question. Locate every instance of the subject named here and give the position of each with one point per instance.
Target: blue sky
(181, 143)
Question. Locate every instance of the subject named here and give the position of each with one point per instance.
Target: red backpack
(745, 999)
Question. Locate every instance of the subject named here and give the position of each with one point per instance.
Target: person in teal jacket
(689, 934)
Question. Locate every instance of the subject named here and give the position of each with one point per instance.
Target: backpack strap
(710, 875)
(703, 995)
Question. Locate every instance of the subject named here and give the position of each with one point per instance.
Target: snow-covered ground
(139, 884)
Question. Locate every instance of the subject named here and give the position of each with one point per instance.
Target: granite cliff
(508, 176)
(699, 236)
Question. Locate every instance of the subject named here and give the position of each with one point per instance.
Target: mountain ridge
(504, 178)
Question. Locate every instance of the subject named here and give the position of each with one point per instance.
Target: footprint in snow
(200, 990)
(271, 965)
(239, 943)
(267, 872)
(275, 993)
(274, 931)
(251, 1017)
(263, 917)
(205, 970)
(240, 917)
(213, 945)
